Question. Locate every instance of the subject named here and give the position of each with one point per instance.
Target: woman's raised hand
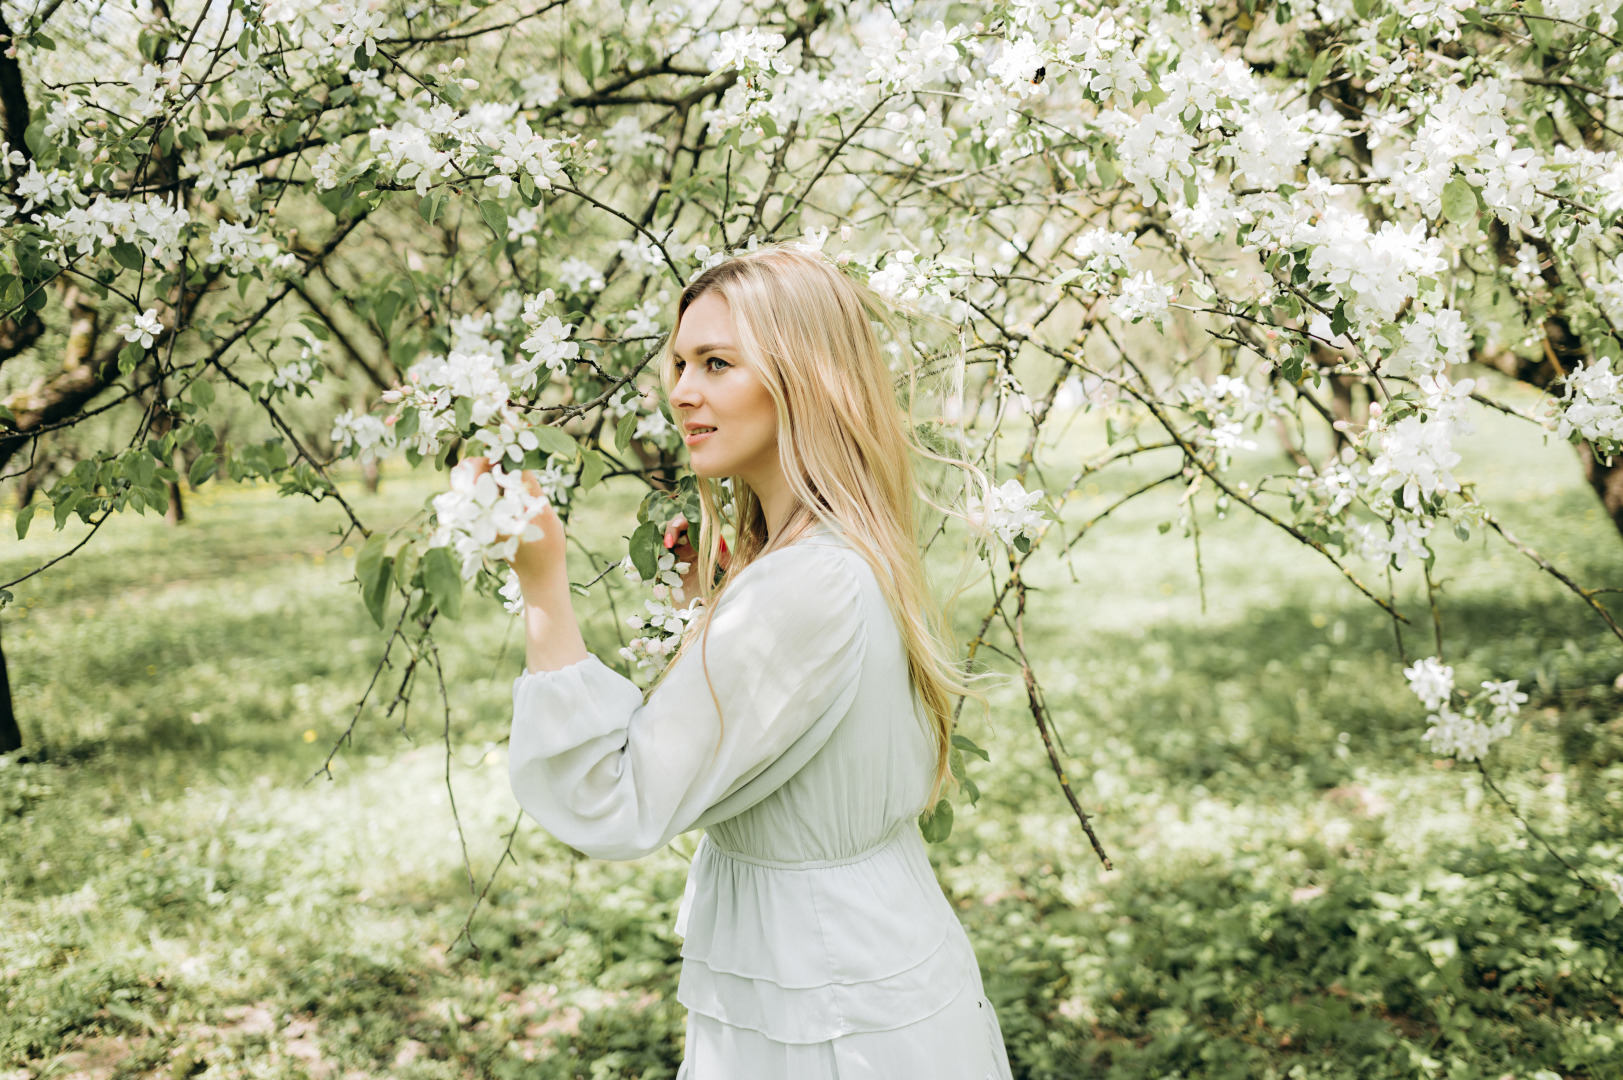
(538, 563)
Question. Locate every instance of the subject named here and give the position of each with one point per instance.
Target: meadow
(1300, 889)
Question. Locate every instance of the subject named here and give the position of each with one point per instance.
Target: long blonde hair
(846, 446)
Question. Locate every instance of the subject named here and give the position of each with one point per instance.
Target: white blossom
(240, 246)
(485, 517)
(1416, 459)
(1431, 680)
(1009, 512)
(1142, 297)
(512, 594)
(143, 329)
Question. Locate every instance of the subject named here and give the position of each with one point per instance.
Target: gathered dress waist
(895, 833)
(810, 950)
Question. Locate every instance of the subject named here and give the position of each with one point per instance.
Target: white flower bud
(458, 64)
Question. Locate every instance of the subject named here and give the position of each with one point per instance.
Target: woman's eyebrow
(720, 346)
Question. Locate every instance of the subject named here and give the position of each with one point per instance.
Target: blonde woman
(805, 721)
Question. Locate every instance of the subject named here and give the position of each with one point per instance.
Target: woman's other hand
(679, 543)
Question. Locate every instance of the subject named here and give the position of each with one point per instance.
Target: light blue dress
(817, 942)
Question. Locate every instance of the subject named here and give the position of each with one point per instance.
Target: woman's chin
(703, 468)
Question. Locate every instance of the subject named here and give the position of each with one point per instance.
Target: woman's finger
(678, 525)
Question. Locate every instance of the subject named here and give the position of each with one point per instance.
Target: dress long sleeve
(617, 778)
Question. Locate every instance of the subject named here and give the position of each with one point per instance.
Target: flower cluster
(665, 621)
(152, 226)
(1104, 254)
(1468, 732)
(240, 247)
(486, 516)
(476, 370)
(1009, 512)
(362, 435)
(1591, 407)
(934, 282)
(296, 376)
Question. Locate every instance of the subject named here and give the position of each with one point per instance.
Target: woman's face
(726, 416)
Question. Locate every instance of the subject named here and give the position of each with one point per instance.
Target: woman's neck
(777, 500)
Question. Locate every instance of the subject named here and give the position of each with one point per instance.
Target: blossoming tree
(472, 220)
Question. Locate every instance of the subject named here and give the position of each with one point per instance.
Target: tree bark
(20, 332)
(11, 736)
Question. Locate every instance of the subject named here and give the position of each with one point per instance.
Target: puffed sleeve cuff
(566, 726)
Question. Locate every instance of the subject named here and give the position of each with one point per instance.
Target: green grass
(1299, 889)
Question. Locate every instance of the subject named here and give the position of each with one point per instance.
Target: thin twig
(1039, 714)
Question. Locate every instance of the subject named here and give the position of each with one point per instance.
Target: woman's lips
(694, 438)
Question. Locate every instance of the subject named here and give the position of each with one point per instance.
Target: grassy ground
(1299, 890)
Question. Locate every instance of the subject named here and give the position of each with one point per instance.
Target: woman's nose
(685, 395)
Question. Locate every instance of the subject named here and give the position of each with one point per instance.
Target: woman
(805, 721)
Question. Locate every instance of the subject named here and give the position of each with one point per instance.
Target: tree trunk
(176, 512)
(11, 736)
(1607, 480)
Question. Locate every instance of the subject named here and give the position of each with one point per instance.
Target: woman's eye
(717, 360)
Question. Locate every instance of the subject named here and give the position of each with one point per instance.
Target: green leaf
(35, 139)
(202, 468)
(1542, 31)
(402, 351)
(495, 215)
(128, 255)
(464, 413)
(7, 416)
(316, 327)
(443, 581)
(963, 743)
(645, 545)
(405, 565)
(429, 206)
(1459, 201)
(1320, 68)
(937, 824)
(1339, 322)
(24, 516)
(623, 432)
(385, 309)
(555, 441)
(202, 394)
(372, 569)
(591, 469)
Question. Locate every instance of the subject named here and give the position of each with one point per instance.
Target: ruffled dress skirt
(841, 969)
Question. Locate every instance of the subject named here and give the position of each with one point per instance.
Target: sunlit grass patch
(1298, 883)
